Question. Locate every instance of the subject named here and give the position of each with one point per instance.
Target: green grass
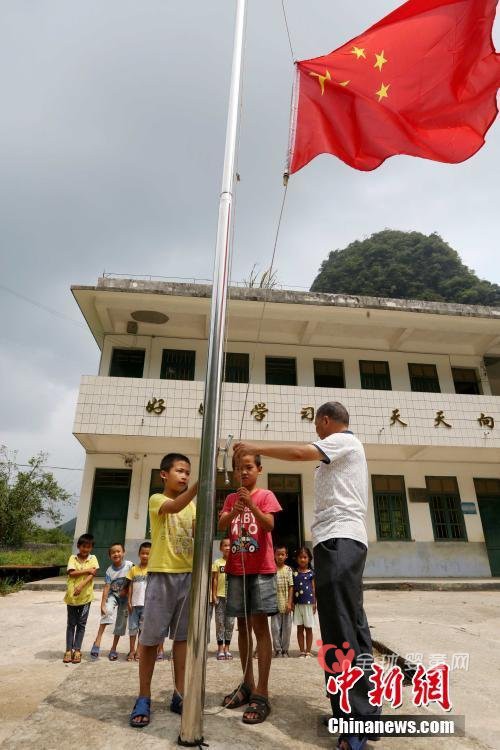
(57, 555)
(9, 586)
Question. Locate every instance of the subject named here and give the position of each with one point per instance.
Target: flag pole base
(194, 743)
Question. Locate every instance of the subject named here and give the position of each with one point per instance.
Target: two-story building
(421, 381)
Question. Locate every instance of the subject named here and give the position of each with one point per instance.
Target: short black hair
(224, 539)
(307, 552)
(116, 544)
(335, 411)
(169, 460)
(144, 545)
(85, 539)
(280, 546)
(256, 458)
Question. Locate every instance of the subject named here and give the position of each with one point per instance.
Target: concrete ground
(52, 706)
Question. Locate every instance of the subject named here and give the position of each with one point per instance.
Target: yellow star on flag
(322, 79)
(382, 92)
(359, 52)
(381, 61)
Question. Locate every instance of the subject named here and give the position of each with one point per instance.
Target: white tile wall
(117, 406)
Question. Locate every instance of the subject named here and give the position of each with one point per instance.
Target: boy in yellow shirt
(166, 605)
(137, 576)
(223, 625)
(82, 568)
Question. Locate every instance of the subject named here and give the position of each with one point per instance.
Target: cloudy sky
(112, 124)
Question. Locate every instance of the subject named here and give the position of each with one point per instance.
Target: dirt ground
(49, 705)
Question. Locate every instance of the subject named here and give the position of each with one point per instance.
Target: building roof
(298, 318)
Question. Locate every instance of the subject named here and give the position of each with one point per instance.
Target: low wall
(427, 560)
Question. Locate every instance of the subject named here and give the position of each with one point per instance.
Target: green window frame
(445, 507)
(127, 363)
(375, 375)
(328, 373)
(237, 367)
(390, 507)
(281, 371)
(177, 364)
(466, 380)
(424, 378)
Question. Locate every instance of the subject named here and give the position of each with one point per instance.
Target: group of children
(250, 583)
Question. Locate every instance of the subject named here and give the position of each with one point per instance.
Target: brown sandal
(77, 656)
(232, 700)
(259, 705)
(68, 655)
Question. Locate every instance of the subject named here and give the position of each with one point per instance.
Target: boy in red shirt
(251, 582)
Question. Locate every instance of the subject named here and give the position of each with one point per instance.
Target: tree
(26, 496)
(406, 265)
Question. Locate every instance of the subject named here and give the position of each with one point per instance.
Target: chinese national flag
(423, 81)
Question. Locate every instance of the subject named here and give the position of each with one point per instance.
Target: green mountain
(404, 265)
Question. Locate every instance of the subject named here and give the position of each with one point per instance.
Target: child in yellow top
(166, 606)
(137, 576)
(223, 624)
(82, 568)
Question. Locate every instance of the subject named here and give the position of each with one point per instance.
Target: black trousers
(339, 566)
(75, 629)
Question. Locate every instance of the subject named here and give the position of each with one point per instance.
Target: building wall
(117, 406)
(420, 557)
(398, 361)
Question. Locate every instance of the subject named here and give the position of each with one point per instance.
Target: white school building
(421, 381)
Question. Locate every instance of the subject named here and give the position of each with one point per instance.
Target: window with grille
(127, 363)
(177, 364)
(424, 378)
(375, 375)
(328, 374)
(281, 371)
(466, 380)
(487, 487)
(237, 367)
(391, 510)
(445, 507)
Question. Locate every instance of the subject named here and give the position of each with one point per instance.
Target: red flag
(423, 81)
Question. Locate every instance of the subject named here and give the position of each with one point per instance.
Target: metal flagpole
(194, 695)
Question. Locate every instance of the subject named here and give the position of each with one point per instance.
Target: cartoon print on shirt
(243, 528)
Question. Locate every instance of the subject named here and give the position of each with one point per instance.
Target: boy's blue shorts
(135, 619)
(253, 594)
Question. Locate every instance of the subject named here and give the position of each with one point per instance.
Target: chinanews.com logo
(430, 687)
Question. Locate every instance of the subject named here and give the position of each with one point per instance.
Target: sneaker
(284, 653)
(277, 653)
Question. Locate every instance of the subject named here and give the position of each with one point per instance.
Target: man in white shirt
(339, 544)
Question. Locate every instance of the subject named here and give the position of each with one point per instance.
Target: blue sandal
(176, 703)
(113, 655)
(142, 708)
(94, 652)
(354, 741)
